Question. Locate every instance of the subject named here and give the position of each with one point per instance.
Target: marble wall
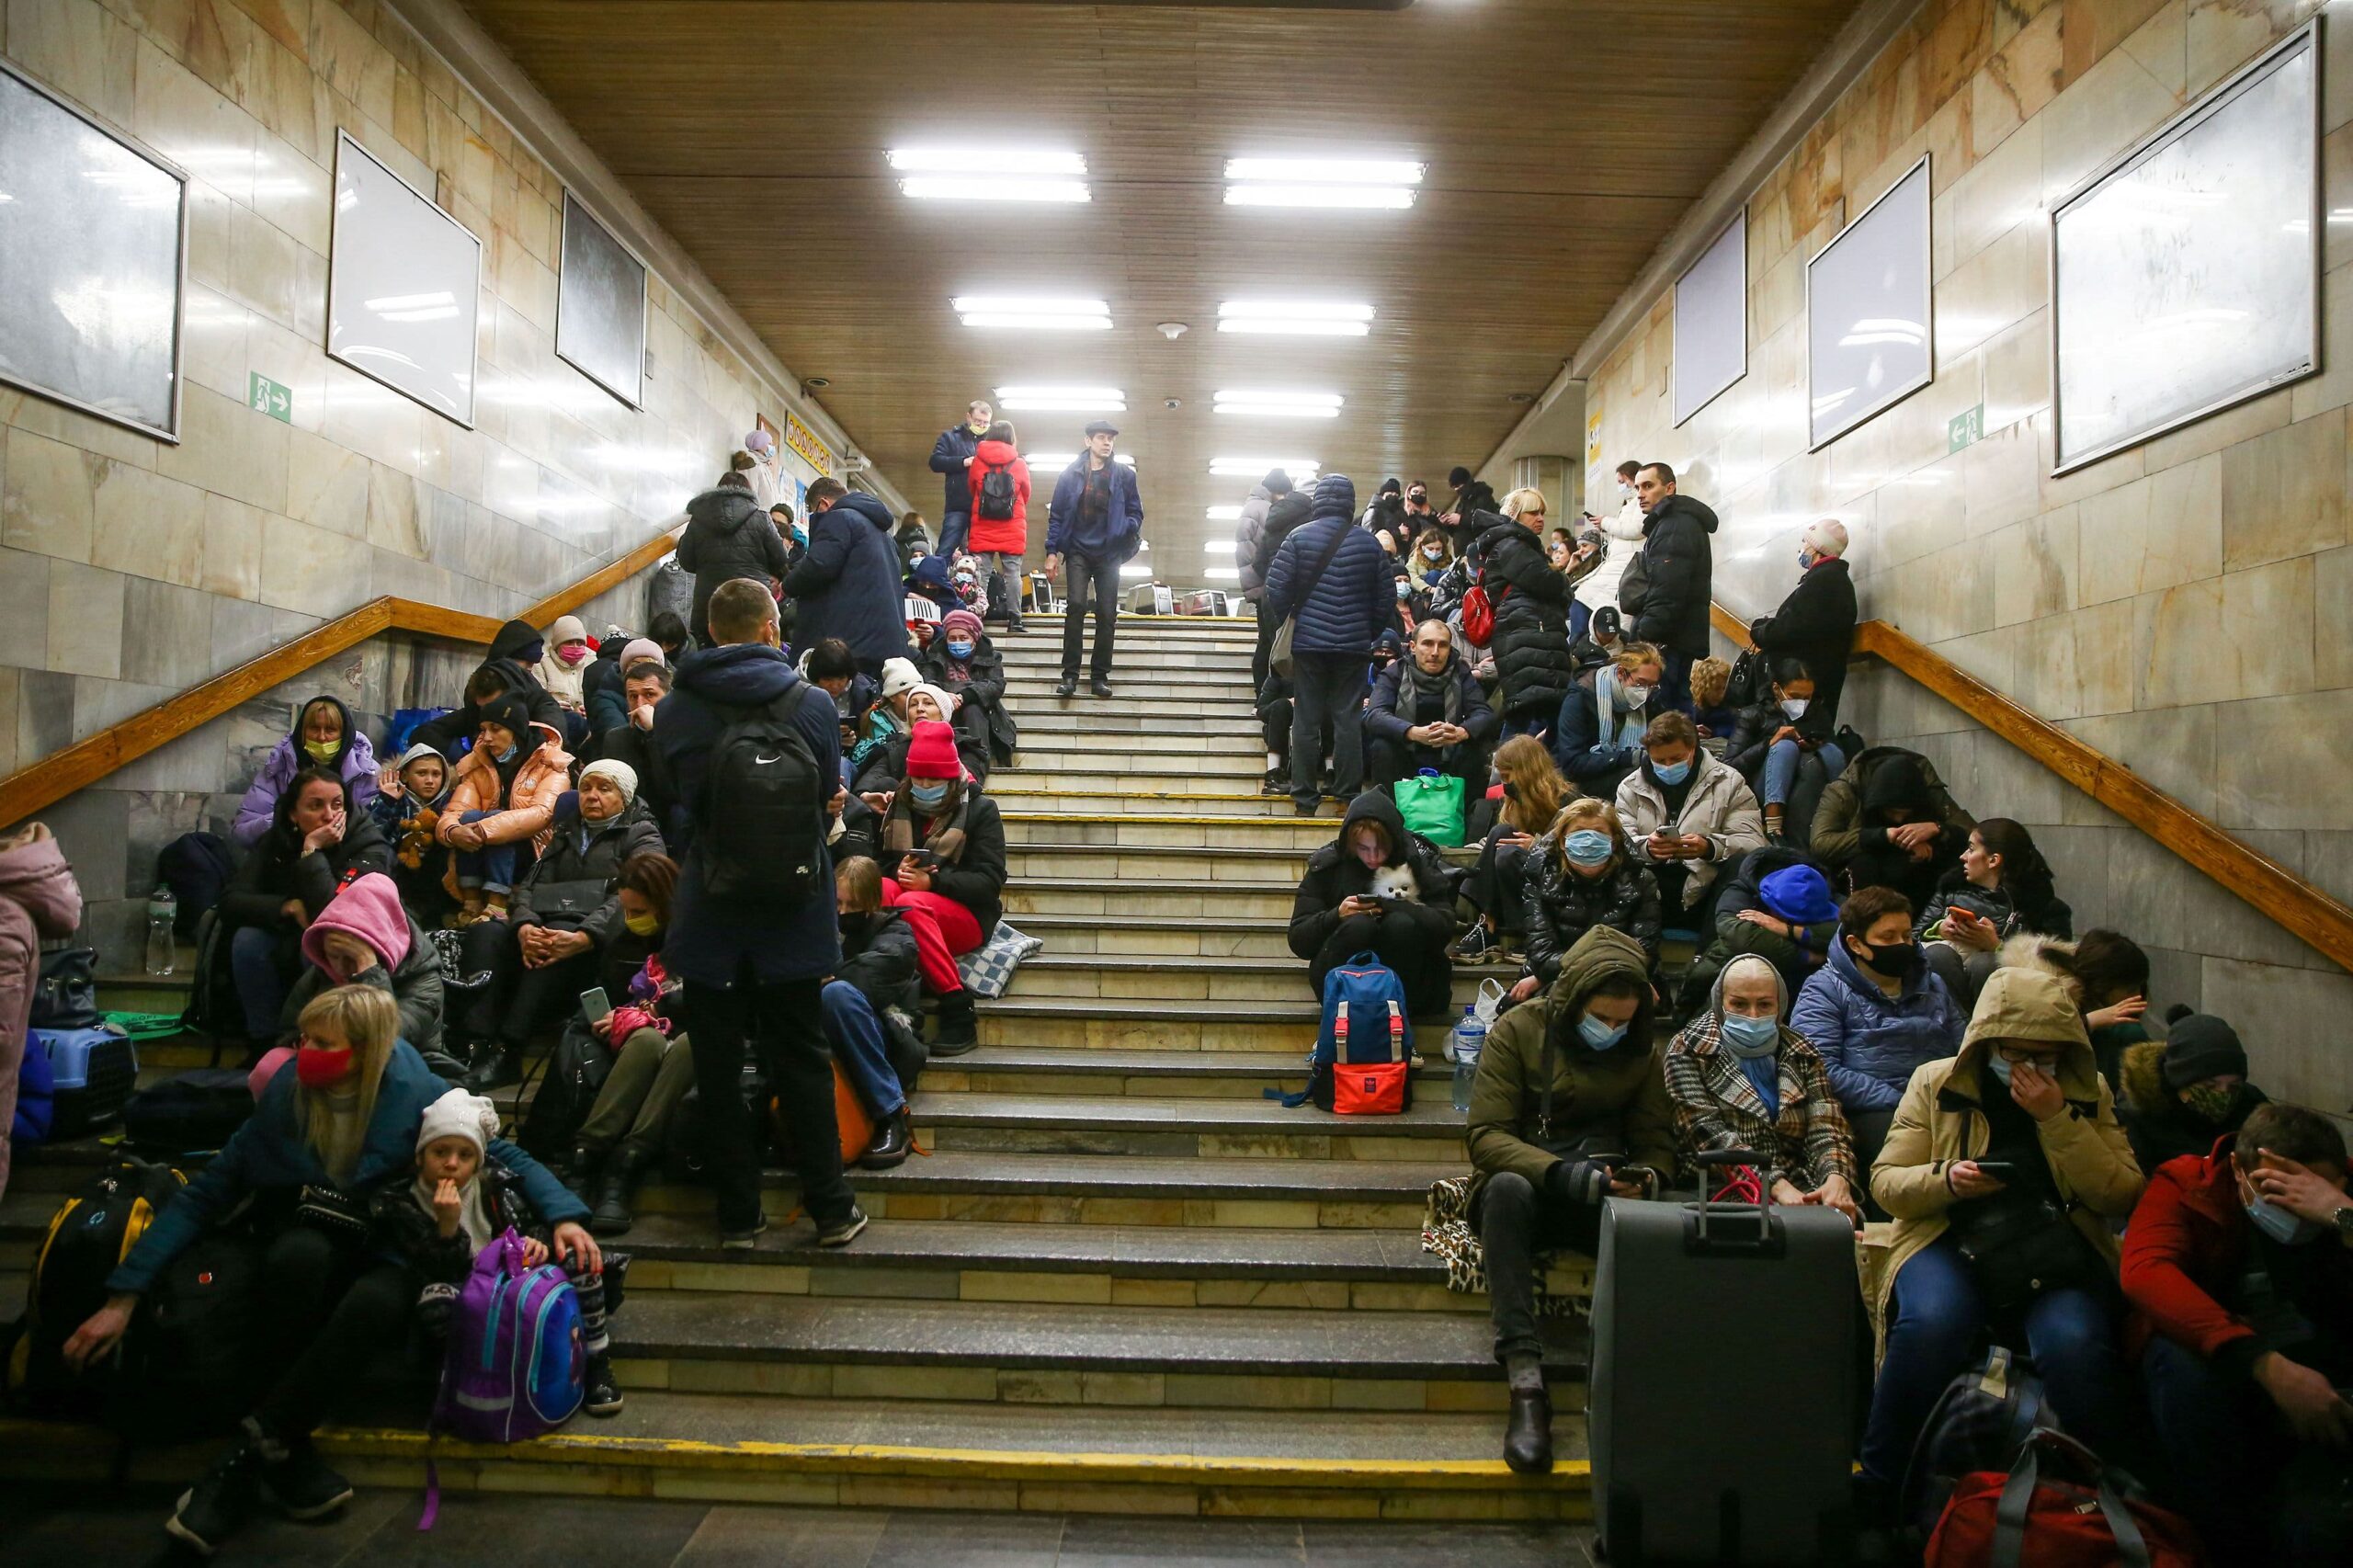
(2183, 605)
(131, 568)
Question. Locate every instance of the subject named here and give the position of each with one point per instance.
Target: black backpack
(773, 844)
(197, 868)
(193, 1114)
(570, 1079)
(66, 994)
(190, 1358)
(87, 1240)
(997, 494)
(1752, 681)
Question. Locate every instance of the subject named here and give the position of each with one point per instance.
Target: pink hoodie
(38, 898)
(370, 910)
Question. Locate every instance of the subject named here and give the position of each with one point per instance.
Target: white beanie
(567, 628)
(460, 1114)
(620, 772)
(1828, 537)
(900, 674)
(937, 694)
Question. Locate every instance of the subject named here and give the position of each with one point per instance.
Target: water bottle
(1469, 1039)
(162, 951)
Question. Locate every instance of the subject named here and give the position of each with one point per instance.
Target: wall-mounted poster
(93, 233)
(803, 440)
(1712, 320)
(600, 306)
(1869, 342)
(2186, 275)
(404, 286)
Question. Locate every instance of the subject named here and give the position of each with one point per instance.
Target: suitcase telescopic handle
(1766, 1243)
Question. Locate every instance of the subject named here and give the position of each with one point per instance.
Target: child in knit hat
(463, 1199)
(408, 807)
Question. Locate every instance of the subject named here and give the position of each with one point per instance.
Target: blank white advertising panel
(1712, 320)
(404, 286)
(1868, 344)
(600, 306)
(2187, 275)
(92, 233)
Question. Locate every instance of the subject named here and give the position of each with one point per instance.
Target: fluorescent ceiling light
(1074, 400)
(1040, 314)
(1134, 570)
(1280, 404)
(1225, 514)
(1320, 182)
(1303, 318)
(1221, 574)
(963, 160)
(1217, 546)
(1256, 468)
(1045, 462)
(1386, 197)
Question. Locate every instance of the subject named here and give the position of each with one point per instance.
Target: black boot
(496, 1067)
(580, 1173)
(1067, 687)
(893, 1138)
(1528, 1441)
(616, 1195)
(957, 1030)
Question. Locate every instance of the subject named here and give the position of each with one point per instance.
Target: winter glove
(1578, 1182)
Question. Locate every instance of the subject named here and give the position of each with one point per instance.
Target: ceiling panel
(1562, 140)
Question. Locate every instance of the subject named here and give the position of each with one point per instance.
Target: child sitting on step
(459, 1203)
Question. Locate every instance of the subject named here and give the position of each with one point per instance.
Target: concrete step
(1028, 899)
(1125, 766)
(1212, 673)
(1141, 869)
(1027, 789)
(1032, 696)
(1172, 830)
(1227, 933)
(1133, 977)
(1047, 719)
(1204, 1074)
(1130, 1124)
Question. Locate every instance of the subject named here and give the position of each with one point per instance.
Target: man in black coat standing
(847, 582)
(1817, 622)
(1678, 578)
(951, 457)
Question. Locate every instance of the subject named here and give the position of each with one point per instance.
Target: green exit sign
(1965, 429)
(265, 396)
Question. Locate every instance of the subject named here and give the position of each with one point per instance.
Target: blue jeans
(1527, 723)
(491, 868)
(1580, 617)
(1780, 769)
(1936, 1322)
(855, 1032)
(954, 529)
(261, 987)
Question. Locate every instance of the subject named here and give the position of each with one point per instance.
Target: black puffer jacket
(583, 852)
(1333, 874)
(450, 733)
(728, 535)
(976, 880)
(1531, 603)
(1284, 514)
(1816, 624)
(879, 957)
(279, 868)
(1562, 905)
(1680, 565)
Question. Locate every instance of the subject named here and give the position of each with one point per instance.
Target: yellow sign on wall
(803, 440)
(1592, 439)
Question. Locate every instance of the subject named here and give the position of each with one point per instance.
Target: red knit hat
(932, 752)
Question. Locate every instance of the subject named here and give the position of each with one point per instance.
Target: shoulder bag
(1279, 655)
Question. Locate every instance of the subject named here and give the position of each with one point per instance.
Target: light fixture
(1299, 318)
(1221, 574)
(1225, 514)
(1038, 314)
(1066, 400)
(1281, 405)
(1051, 462)
(1134, 570)
(1217, 546)
(1386, 183)
(1256, 468)
(989, 173)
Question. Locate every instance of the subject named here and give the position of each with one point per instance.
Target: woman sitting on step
(625, 1131)
(943, 847)
(1375, 890)
(315, 841)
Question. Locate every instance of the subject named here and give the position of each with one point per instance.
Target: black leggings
(1414, 944)
(335, 1317)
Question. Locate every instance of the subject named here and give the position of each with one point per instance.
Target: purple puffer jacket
(256, 812)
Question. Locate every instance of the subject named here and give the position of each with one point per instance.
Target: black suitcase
(1737, 1320)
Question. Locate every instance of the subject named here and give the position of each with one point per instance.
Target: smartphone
(927, 858)
(595, 1004)
(2004, 1169)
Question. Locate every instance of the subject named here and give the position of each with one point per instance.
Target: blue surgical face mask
(929, 793)
(1672, 772)
(1751, 1037)
(508, 754)
(959, 650)
(1999, 1065)
(2288, 1230)
(1588, 846)
(1805, 558)
(1598, 1034)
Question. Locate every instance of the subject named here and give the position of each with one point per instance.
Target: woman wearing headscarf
(364, 937)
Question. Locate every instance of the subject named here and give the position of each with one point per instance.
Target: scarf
(1447, 690)
(1615, 731)
(331, 1123)
(943, 834)
(473, 1219)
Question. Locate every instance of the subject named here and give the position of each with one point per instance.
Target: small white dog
(1397, 882)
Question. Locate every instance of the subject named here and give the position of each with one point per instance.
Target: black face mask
(1897, 959)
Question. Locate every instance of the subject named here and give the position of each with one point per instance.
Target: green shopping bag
(1432, 806)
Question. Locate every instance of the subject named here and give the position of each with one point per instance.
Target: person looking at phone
(1875, 1012)
(1338, 912)
(943, 859)
(2238, 1265)
(1781, 744)
(1533, 793)
(2002, 886)
(1688, 814)
(2006, 1170)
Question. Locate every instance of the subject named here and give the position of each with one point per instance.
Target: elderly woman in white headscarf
(1740, 1078)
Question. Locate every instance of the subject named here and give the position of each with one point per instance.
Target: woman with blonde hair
(336, 1125)
(1504, 555)
(1582, 874)
(1534, 794)
(1599, 739)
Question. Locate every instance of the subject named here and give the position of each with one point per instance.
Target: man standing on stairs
(1335, 577)
(1095, 524)
(755, 754)
(1677, 577)
(952, 457)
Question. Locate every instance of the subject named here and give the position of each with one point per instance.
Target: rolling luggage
(1709, 1318)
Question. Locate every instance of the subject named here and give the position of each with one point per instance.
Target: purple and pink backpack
(515, 1367)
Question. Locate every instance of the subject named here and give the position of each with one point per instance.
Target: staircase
(1121, 1280)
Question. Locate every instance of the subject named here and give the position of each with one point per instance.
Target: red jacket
(2185, 1245)
(1011, 536)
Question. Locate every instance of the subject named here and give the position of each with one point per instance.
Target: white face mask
(1794, 707)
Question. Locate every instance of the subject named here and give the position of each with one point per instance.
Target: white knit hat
(900, 674)
(939, 695)
(1828, 537)
(620, 772)
(460, 1114)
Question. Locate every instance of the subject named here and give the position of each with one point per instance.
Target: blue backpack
(1363, 1059)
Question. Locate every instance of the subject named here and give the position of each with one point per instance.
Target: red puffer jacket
(1010, 536)
(2186, 1239)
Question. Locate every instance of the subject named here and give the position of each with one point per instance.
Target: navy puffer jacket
(847, 583)
(1354, 600)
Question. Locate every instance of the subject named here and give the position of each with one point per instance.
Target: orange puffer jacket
(528, 810)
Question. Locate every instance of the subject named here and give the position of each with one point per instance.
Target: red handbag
(1478, 616)
(2034, 1518)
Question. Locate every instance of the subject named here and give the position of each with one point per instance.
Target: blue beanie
(1336, 496)
(1798, 894)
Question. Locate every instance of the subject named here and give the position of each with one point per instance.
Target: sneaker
(603, 1391)
(844, 1231)
(1474, 946)
(217, 1506)
(302, 1485)
(1016, 625)
(744, 1240)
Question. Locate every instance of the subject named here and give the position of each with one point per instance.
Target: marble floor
(91, 1529)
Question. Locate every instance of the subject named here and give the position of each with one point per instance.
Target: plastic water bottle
(1470, 1038)
(163, 951)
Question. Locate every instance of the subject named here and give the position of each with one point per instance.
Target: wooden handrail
(91, 758)
(2321, 920)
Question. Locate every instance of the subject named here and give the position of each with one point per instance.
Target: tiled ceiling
(1562, 138)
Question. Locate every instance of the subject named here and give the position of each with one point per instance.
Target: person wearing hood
(932, 579)
(848, 585)
(1687, 815)
(943, 852)
(1427, 711)
(1505, 555)
(1741, 1078)
(1567, 1078)
(2107, 974)
(407, 808)
(285, 883)
(1816, 624)
(504, 796)
(364, 937)
(564, 670)
(1888, 821)
(1678, 576)
(729, 535)
(1334, 580)
(512, 669)
(2006, 1173)
(2180, 1094)
(754, 966)
(1621, 538)
(912, 540)
(2238, 1266)
(1249, 530)
(952, 459)
(1875, 1012)
(1582, 874)
(1778, 906)
(1472, 496)
(1337, 914)
(965, 662)
(322, 736)
(39, 902)
(1000, 527)
(1096, 524)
